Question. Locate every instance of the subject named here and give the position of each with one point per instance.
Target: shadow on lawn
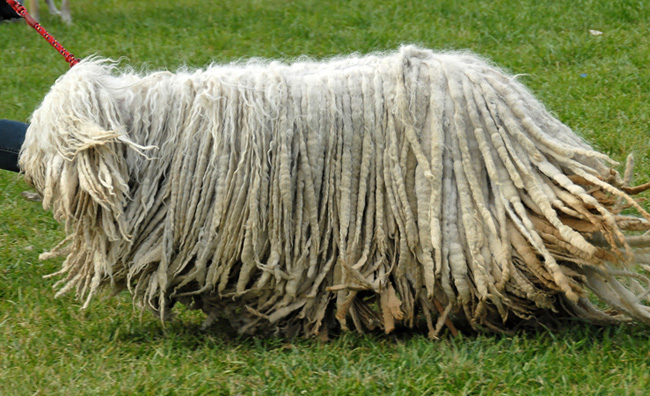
(185, 332)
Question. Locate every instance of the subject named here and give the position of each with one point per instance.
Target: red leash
(20, 10)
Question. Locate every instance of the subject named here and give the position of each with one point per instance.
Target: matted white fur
(373, 190)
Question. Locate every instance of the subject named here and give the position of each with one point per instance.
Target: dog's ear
(96, 161)
(80, 169)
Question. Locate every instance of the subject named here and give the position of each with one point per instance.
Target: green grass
(598, 85)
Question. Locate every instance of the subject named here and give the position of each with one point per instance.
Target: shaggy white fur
(368, 190)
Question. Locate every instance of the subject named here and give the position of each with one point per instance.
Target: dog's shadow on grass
(185, 332)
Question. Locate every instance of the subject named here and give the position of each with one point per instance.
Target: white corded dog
(365, 191)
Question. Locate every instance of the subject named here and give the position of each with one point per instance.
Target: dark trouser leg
(12, 135)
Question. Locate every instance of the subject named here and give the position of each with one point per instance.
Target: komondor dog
(363, 192)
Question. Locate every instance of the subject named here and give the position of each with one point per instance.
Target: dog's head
(74, 149)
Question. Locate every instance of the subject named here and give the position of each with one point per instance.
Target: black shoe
(7, 13)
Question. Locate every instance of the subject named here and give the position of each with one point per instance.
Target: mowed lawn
(588, 61)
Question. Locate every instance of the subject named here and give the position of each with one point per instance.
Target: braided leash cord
(20, 10)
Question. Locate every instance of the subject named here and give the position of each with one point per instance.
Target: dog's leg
(52, 7)
(65, 9)
(65, 12)
(33, 9)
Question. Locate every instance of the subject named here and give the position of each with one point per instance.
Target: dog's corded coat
(368, 191)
